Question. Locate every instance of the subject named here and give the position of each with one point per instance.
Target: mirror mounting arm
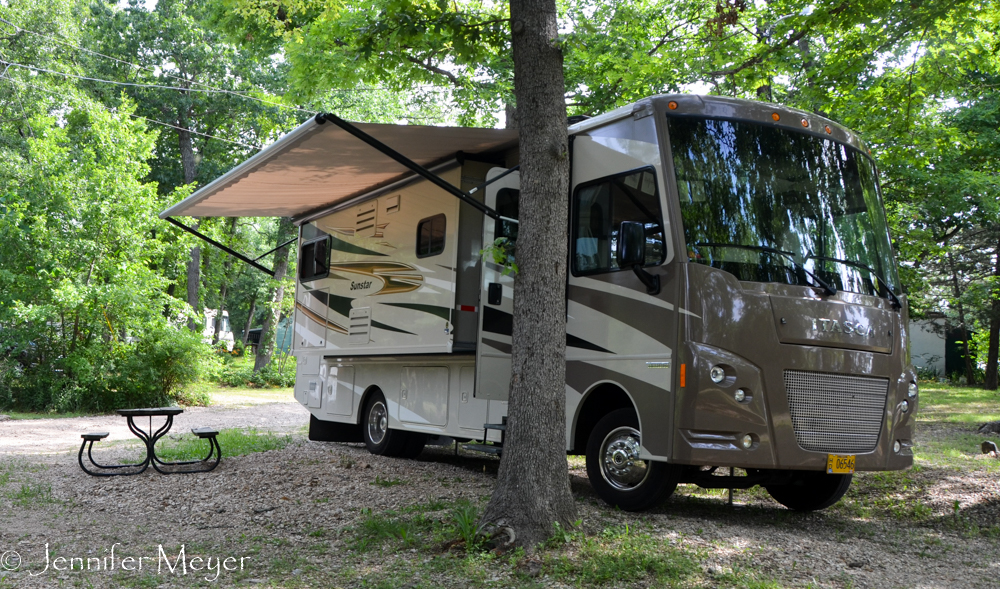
(652, 281)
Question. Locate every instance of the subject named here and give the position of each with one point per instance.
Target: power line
(105, 107)
(154, 70)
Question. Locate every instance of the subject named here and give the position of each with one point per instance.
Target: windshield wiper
(892, 296)
(830, 290)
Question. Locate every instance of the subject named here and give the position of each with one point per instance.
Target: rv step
(497, 426)
(497, 450)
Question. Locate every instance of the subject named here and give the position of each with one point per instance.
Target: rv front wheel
(379, 439)
(810, 490)
(617, 473)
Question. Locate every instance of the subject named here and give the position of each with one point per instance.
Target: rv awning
(317, 165)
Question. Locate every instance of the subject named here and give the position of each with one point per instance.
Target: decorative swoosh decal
(340, 245)
(396, 277)
(318, 319)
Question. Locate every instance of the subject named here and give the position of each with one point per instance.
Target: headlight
(747, 441)
(717, 374)
(740, 395)
(911, 391)
(905, 406)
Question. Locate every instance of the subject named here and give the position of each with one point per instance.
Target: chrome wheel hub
(378, 422)
(620, 463)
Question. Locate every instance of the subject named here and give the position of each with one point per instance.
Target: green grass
(44, 415)
(948, 404)
(234, 442)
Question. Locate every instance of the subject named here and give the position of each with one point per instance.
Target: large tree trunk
(189, 168)
(266, 348)
(532, 491)
(970, 374)
(990, 381)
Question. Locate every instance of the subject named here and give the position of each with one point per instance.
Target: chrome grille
(836, 412)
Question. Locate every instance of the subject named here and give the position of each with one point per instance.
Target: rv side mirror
(632, 254)
(631, 244)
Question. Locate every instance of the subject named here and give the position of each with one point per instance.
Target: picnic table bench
(149, 438)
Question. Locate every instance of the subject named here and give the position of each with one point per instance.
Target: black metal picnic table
(149, 438)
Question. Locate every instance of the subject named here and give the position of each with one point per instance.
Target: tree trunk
(970, 374)
(226, 267)
(532, 491)
(193, 281)
(266, 348)
(246, 327)
(189, 168)
(990, 381)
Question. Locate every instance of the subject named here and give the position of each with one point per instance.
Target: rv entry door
(496, 298)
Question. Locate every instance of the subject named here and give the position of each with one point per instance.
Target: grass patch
(234, 442)
(43, 415)
(30, 493)
(965, 405)
(619, 553)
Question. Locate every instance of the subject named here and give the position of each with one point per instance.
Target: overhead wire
(158, 71)
(154, 121)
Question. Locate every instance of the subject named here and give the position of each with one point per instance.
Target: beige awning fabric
(318, 165)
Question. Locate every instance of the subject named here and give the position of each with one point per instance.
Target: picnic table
(149, 438)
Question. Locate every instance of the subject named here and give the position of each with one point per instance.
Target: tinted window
(314, 259)
(430, 236)
(600, 207)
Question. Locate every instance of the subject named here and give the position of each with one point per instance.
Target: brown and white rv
(732, 300)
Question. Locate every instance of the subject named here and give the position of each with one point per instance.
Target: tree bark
(246, 327)
(532, 491)
(189, 168)
(970, 374)
(990, 380)
(266, 348)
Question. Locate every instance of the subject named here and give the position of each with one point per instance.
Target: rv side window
(314, 259)
(507, 207)
(430, 236)
(600, 207)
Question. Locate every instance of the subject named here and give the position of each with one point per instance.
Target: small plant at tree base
(501, 251)
(466, 523)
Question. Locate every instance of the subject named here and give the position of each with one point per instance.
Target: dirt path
(37, 439)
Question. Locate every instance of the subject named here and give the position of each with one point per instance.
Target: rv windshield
(773, 205)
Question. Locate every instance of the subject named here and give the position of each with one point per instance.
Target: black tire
(810, 490)
(379, 439)
(616, 474)
(414, 445)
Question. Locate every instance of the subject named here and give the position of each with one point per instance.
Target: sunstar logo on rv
(824, 325)
(361, 285)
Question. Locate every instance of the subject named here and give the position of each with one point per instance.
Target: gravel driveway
(284, 518)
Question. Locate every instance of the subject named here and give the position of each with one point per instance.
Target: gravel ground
(286, 514)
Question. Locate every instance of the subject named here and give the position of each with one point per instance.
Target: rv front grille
(836, 412)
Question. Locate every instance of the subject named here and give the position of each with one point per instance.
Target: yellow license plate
(839, 464)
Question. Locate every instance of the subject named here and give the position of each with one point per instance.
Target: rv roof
(318, 165)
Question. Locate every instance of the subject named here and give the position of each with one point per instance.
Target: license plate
(839, 464)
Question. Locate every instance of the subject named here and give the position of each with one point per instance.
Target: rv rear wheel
(617, 473)
(810, 490)
(379, 439)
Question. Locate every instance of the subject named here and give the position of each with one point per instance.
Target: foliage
(501, 253)
(280, 372)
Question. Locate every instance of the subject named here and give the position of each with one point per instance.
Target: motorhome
(225, 332)
(734, 315)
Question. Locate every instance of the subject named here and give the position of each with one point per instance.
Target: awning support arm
(294, 239)
(229, 251)
(408, 163)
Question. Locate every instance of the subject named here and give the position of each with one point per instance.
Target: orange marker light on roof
(672, 105)
(828, 129)
(805, 123)
(775, 116)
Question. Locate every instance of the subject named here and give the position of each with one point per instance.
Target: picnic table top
(150, 411)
